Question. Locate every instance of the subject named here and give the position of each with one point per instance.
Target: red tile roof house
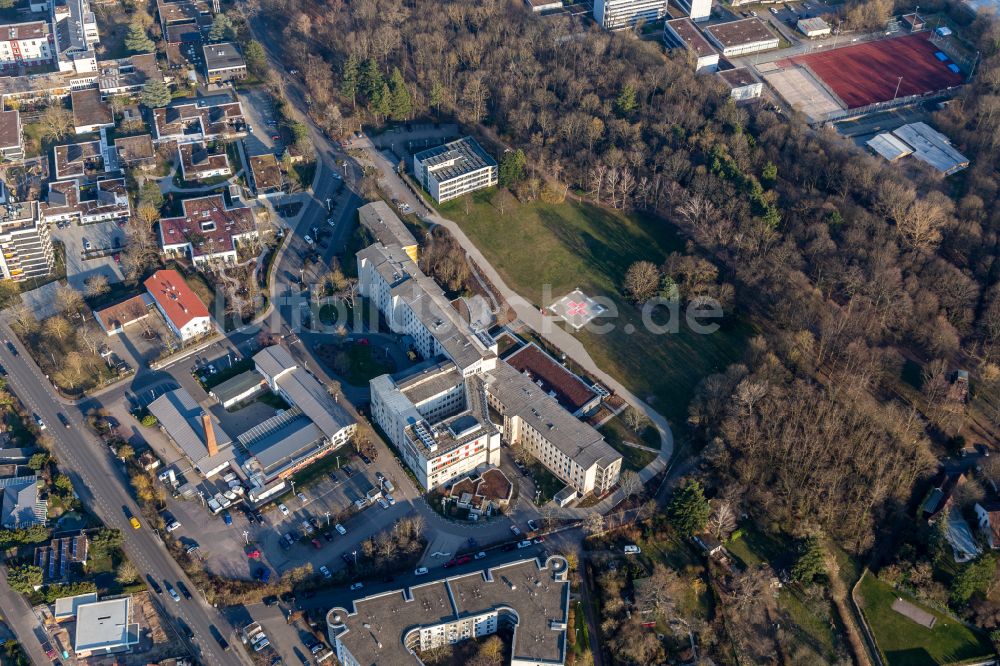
(208, 231)
(184, 312)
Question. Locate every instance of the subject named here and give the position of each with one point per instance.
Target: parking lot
(77, 239)
(259, 112)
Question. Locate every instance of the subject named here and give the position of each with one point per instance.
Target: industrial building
(737, 38)
(455, 168)
(529, 597)
(619, 14)
(922, 142)
(813, 27)
(196, 431)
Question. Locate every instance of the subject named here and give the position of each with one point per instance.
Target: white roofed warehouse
(455, 168)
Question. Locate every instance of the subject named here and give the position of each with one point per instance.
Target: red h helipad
(576, 309)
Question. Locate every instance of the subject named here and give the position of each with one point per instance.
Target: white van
(632, 549)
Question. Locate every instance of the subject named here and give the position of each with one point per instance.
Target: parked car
(326, 572)
(357, 586)
(153, 584)
(420, 571)
(173, 593)
(632, 549)
(327, 536)
(480, 555)
(365, 459)
(264, 575)
(333, 477)
(390, 500)
(382, 503)
(515, 530)
(11, 348)
(538, 540)
(340, 528)
(307, 238)
(464, 559)
(173, 526)
(62, 417)
(227, 518)
(39, 422)
(523, 544)
(302, 498)
(317, 544)
(184, 590)
(283, 509)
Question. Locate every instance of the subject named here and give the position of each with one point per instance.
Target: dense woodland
(851, 267)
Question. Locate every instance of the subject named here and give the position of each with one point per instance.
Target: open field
(543, 251)
(906, 643)
(870, 72)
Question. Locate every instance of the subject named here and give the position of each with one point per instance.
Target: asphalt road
(101, 486)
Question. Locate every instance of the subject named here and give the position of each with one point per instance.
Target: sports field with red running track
(868, 73)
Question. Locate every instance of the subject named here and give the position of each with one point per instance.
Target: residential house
(208, 231)
(11, 135)
(21, 504)
(183, 311)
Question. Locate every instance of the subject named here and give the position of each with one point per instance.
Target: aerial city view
(499, 332)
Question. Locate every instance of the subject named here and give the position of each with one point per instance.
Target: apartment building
(619, 14)
(438, 420)
(223, 62)
(105, 201)
(385, 227)
(183, 311)
(28, 43)
(529, 597)
(682, 33)
(25, 243)
(413, 304)
(569, 448)
(455, 168)
(208, 231)
(76, 35)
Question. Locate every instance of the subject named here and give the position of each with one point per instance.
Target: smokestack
(206, 423)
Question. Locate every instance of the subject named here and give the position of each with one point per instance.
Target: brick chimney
(206, 423)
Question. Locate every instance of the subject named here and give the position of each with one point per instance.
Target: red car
(362, 341)
(450, 563)
(317, 544)
(254, 554)
(465, 559)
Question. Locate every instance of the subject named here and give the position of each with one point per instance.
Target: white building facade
(454, 169)
(619, 14)
(26, 43)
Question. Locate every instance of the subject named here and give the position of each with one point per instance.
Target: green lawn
(545, 481)
(355, 363)
(543, 251)
(906, 643)
(616, 434)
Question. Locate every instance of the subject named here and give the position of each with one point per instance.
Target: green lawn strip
(559, 247)
(581, 639)
(903, 642)
(617, 434)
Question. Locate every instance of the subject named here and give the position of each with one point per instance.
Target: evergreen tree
(155, 94)
(381, 103)
(401, 106)
(349, 76)
(136, 39)
(256, 58)
(511, 169)
(689, 510)
(436, 95)
(811, 562)
(371, 81)
(221, 30)
(626, 102)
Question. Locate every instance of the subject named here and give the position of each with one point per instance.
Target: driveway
(258, 110)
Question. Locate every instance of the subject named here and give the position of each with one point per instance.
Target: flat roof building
(737, 38)
(619, 14)
(90, 112)
(135, 151)
(454, 169)
(265, 175)
(223, 62)
(25, 242)
(742, 84)
(81, 161)
(813, 27)
(188, 123)
(200, 161)
(438, 420)
(105, 627)
(529, 597)
(386, 228)
(543, 5)
(682, 33)
(11, 135)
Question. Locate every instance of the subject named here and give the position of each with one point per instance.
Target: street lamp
(246, 536)
(327, 514)
(355, 554)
